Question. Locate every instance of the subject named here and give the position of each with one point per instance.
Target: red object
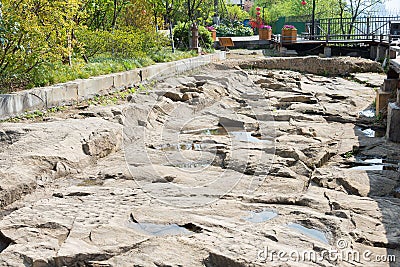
(258, 8)
(258, 13)
(303, 3)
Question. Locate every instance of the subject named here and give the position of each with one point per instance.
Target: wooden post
(367, 28)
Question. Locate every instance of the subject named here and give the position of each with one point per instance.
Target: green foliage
(119, 43)
(293, 8)
(181, 36)
(236, 13)
(348, 154)
(43, 41)
(234, 28)
(165, 55)
(33, 32)
(52, 73)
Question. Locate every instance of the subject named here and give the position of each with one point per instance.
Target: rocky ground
(221, 167)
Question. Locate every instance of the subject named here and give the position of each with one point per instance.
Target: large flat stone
(393, 122)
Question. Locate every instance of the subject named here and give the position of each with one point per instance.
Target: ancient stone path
(221, 167)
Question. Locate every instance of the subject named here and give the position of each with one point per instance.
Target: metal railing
(342, 38)
(364, 28)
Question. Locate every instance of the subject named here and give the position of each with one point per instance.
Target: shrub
(119, 43)
(236, 13)
(181, 36)
(233, 29)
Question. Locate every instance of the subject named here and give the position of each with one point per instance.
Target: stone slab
(17, 103)
(392, 54)
(393, 123)
(327, 51)
(398, 95)
(89, 88)
(373, 52)
(126, 79)
(381, 52)
(62, 94)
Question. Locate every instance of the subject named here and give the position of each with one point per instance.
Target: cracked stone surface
(221, 167)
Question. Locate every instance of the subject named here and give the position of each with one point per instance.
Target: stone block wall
(15, 104)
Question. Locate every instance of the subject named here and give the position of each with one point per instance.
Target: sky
(392, 5)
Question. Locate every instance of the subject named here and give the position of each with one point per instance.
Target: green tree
(272, 10)
(353, 9)
(32, 32)
(236, 13)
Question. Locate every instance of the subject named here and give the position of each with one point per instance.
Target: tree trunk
(114, 21)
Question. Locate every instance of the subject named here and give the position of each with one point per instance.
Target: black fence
(363, 28)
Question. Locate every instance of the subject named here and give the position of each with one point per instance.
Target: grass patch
(52, 73)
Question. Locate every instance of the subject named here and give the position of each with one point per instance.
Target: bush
(181, 36)
(233, 29)
(165, 55)
(236, 13)
(120, 43)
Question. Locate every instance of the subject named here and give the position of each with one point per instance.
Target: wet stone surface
(210, 168)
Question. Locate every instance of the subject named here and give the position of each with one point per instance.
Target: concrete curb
(15, 104)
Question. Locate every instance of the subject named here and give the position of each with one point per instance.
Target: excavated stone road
(220, 167)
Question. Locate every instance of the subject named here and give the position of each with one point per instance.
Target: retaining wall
(17, 103)
(316, 65)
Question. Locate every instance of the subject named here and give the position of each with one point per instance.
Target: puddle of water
(316, 234)
(159, 229)
(373, 161)
(375, 164)
(368, 113)
(217, 131)
(368, 132)
(247, 137)
(236, 133)
(262, 216)
(375, 167)
(372, 133)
